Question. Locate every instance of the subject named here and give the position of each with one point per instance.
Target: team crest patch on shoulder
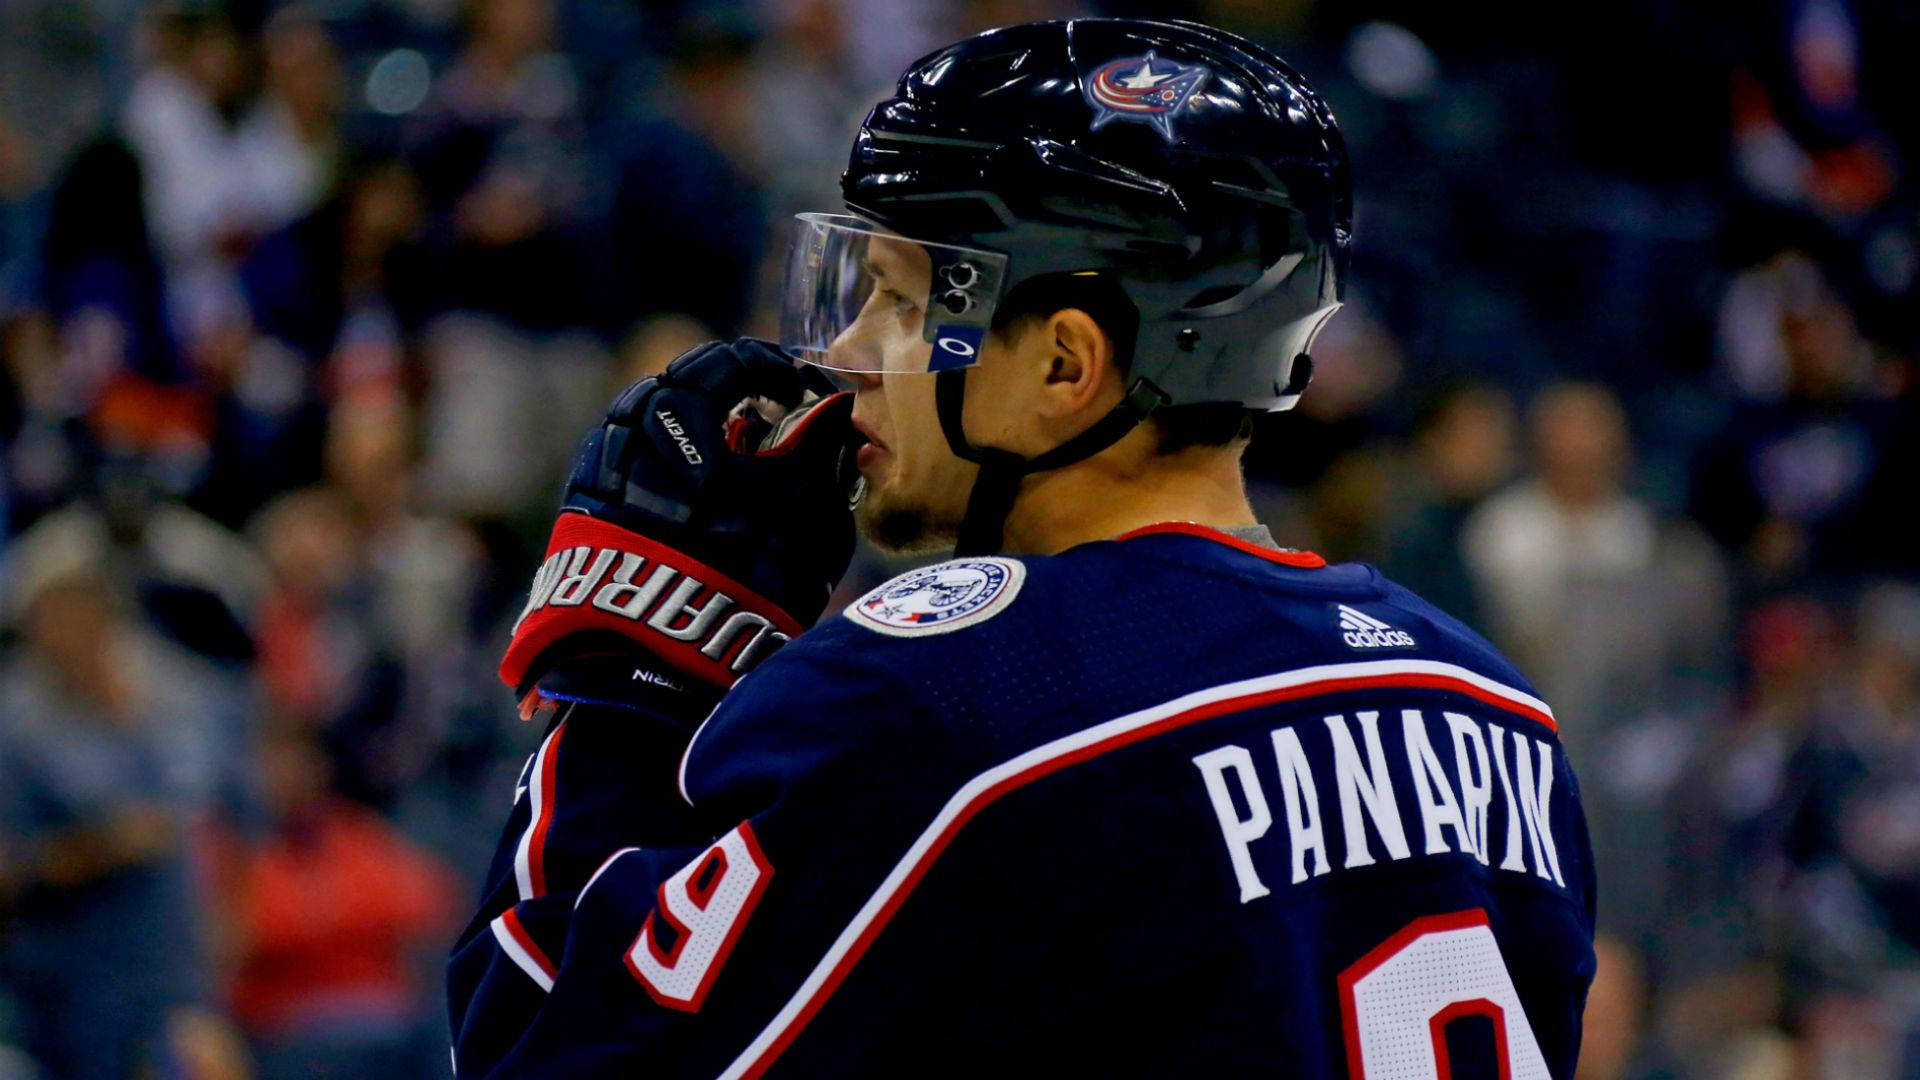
(941, 598)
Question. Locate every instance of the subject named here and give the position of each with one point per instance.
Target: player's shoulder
(1458, 642)
(1157, 612)
(961, 603)
(1167, 583)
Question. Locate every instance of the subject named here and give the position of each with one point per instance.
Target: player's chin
(899, 526)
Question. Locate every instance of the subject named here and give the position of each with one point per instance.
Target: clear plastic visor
(863, 299)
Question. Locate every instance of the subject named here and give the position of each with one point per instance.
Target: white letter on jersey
(1533, 804)
(1476, 778)
(1369, 782)
(1238, 833)
(1513, 859)
(706, 904)
(1303, 805)
(1430, 785)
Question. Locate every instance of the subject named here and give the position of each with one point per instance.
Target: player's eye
(897, 301)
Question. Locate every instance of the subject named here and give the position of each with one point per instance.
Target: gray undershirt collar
(1254, 534)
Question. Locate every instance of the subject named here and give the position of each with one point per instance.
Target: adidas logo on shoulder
(1363, 631)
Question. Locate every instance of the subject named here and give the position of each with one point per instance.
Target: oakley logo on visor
(955, 347)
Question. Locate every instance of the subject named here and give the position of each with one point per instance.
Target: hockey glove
(706, 521)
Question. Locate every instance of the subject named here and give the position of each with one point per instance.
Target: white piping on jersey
(536, 806)
(518, 953)
(980, 791)
(688, 799)
(595, 876)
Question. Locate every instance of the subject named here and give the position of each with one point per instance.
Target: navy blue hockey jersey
(1173, 804)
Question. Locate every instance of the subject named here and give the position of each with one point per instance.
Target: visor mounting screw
(957, 302)
(1188, 339)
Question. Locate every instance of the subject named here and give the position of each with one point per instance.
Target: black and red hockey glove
(706, 521)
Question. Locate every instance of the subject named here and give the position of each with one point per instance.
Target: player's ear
(1080, 362)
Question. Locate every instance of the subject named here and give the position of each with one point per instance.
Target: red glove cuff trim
(599, 576)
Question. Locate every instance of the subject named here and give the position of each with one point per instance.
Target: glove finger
(629, 402)
(822, 423)
(731, 373)
(809, 463)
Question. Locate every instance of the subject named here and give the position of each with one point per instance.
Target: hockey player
(1124, 788)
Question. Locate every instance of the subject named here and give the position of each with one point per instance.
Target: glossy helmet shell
(1225, 215)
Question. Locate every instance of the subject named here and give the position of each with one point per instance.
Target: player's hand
(714, 494)
(685, 460)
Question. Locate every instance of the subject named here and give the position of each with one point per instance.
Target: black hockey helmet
(1192, 168)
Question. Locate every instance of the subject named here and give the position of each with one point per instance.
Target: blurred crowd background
(303, 306)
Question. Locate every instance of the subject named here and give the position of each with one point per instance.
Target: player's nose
(853, 352)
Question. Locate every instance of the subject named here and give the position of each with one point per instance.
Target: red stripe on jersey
(1303, 560)
(544, 798)
(510, 922)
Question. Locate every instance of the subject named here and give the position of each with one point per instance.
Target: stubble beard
(901, 525)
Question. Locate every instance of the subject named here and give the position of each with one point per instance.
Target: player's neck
(1123, 488)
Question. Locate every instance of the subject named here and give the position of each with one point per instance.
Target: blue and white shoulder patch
(941, 598)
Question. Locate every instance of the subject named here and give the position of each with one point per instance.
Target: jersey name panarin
(1343, 802)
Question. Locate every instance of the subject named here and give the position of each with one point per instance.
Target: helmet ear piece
(1299, 377)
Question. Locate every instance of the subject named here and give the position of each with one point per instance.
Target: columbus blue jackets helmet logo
(1143, 88)
(941, 598)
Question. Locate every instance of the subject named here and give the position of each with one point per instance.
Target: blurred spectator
(1706, 907)
(1806, 477)
(290, 138)
(426, 575)
(1612, 610)
(325, 666)
(179, 118)
(103, 284)
(689, 223)
(809, 102)
(1618, 616)
(503, 414)
(193, 580)
(333, 297)
(1461, 450)
(366, 633)
(500, 154)
(1851, 804)
(95, 810)
(1819, 133)
(60, 68)
(220, 169)
(328, 912)
(353, 268)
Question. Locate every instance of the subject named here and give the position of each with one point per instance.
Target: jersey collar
(1304, 560)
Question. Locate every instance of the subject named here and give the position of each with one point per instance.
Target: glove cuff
(598, 576)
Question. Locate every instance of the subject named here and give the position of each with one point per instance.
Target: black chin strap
(1001, 471)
